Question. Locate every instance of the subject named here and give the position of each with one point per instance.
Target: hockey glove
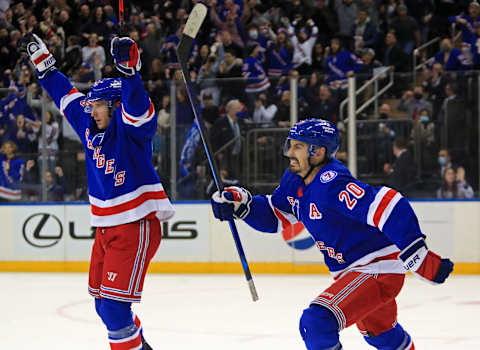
(425, 263)
(233, 202)
(36, 49)
(125, 55)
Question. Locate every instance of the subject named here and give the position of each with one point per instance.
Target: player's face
(298, 155)
(101, 114)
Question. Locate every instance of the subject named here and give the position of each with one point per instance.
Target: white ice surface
(191, 312)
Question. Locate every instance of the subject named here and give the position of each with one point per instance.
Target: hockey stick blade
(194, 22)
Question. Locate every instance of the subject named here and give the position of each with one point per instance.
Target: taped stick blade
(195, 20)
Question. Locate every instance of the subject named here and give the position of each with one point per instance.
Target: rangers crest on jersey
(328, 176)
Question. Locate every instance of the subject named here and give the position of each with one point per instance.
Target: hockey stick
(121, 17)
(194, 22)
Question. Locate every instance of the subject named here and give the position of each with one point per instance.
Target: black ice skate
(145, 345)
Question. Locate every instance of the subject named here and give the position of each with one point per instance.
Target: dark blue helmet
(109, 89)
(316, 133)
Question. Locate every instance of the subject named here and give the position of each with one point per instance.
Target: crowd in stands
(242, 62)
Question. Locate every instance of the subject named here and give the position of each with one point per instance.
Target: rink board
(53, 237)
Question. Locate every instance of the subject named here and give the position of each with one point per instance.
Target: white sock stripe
(127, 339)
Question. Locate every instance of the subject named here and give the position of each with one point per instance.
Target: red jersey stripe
(383, 205)
(150, 111)
(283, 219)
(131, 204)
(41, 58)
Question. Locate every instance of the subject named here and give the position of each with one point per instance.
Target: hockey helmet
(109, 89)
(316, 133)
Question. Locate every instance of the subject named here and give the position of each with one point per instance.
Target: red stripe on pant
(137, 321)
(134, 343)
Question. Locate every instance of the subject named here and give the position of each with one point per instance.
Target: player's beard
(296, 169)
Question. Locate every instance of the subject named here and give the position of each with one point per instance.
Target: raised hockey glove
(233, 202)
(418, 259)
(41, 58)
(125, 55)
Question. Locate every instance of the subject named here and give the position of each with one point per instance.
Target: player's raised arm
(137, 108)
(65, 96)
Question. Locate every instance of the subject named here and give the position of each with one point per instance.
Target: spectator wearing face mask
(423, 133)
(450, 57)
(256, 36)
(444, 160)
(413, 102)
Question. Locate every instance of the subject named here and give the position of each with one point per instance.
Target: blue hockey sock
(123, 332)
(319, 329)
(394, 339)
(115, 314)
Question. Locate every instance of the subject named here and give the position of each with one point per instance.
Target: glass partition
(436, 122)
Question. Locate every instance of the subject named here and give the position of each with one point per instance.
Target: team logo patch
(328, 176)
(297, 237)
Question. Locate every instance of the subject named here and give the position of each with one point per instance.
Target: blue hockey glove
(233, 202)
(36, 49)
(125, 55)
(425, 263)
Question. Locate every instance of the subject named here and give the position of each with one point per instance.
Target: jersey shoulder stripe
(140, 120)
(382, 206)
(69, 98)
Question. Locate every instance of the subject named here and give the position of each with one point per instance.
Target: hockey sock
(394, 339)
(137, 322)
(319, 329)
(123, 333)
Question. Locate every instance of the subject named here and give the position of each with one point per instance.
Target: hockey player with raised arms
(116, 122)
(369, 238)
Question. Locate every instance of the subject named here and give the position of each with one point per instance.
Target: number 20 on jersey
(350, 195)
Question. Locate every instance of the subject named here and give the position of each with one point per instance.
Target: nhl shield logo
(328, 176)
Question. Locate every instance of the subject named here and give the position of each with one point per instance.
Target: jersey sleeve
(273, 213)
(138, 112)
(68, 100)
(383, 208)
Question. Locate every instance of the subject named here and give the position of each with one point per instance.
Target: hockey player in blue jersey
(116, 122)
(369, 238)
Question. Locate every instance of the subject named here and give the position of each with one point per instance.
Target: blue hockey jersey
(123, 186)
(357, 227)
(337, 67)
(10, 180)
(253, 71)
(456, 60)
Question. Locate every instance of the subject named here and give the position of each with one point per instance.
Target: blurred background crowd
(257, 65)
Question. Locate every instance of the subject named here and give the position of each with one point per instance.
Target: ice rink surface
(215, 312)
